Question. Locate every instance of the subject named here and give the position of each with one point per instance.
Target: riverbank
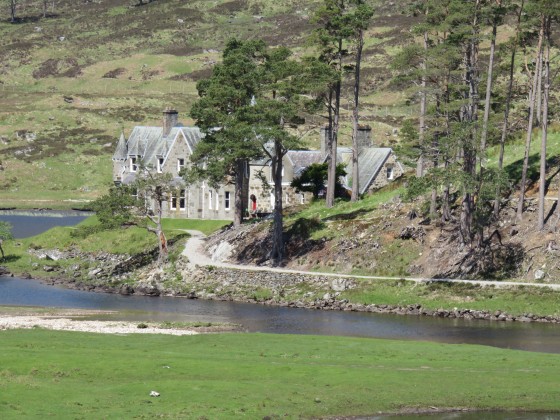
(81, 320)
(194, 273)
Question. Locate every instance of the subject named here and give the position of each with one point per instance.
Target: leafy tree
(276, 107)
(224, 112)
(247, 109)
(114, 209)
(338, 23)
(140, 203)
(5, 234)
(313, 179)
(153, 190)
(360, 21)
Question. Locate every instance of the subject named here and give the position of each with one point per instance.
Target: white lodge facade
(167, 149)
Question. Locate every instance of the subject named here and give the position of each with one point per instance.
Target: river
(260, 318)
(272, 319)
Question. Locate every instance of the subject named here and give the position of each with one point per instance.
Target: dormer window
(160, 165)
(133, 164)
(180, 164)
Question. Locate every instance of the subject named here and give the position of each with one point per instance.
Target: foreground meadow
(83, 375)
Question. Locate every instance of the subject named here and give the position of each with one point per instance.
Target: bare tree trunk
(277, 252)
(158, 231)
(532, 98)
(484, 135)
(470, 113)
(355, 119)
(13, 4)
(544, 124)
(331, 177)
(239, 184)
(422, 119)
(505, 125)
(539, 99)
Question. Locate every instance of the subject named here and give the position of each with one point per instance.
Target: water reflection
(258, 318)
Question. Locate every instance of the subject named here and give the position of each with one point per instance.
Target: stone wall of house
(202, 202)
(265, 198)
(382, 178)
(118, 167)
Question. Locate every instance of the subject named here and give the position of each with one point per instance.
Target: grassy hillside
(72, 81)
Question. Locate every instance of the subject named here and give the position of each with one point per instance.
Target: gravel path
(196, 255)
(67, 324)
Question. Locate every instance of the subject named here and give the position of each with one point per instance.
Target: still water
(33, 222)
(259, 318)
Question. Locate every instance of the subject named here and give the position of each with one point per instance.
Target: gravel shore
(67, 324)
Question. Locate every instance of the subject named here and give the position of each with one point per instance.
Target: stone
(154, 394)
(221, 252)
(539, 274)
(126, 289)
(48, 268)
(340, 285)
(95, 272)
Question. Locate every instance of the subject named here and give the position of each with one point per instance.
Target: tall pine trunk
(532, 98)
(355, 118)
(505, 125)
(470, 114)
(331, 175)
(422, 119)
(277, 252)
(544, 125)
(489, 79)
(240, 176)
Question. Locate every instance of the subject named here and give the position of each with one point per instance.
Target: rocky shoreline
(266, 288)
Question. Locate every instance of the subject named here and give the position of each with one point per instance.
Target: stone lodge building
(167, 149)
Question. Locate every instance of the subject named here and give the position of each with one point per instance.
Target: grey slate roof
(301, 159)
(370, 162)
(121, 151)
(148, 143)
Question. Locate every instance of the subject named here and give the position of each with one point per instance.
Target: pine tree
(226, 98)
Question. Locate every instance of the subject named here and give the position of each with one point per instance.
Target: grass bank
(71, 375)
(86, 237)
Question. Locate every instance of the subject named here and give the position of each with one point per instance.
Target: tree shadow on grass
(515, 169)
(10, 258)
(348, 216)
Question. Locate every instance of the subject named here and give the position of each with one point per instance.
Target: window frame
(227, 200)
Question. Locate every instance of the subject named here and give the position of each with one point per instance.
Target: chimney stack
(170, 120)
(364, 137)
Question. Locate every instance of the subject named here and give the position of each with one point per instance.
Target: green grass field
(78, 375)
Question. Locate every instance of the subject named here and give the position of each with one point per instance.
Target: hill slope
(71, 81)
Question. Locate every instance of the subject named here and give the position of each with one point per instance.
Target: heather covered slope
(71, 81)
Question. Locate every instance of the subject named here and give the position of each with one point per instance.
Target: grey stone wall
(381, 180)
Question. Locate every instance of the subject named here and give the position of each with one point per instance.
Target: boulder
(340, 285)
